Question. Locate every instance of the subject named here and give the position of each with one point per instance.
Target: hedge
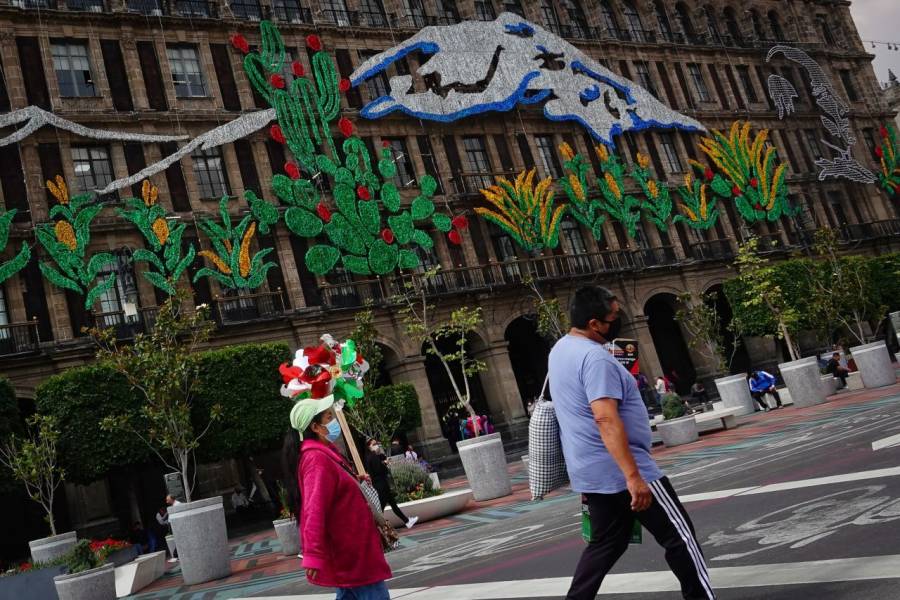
(402, 399)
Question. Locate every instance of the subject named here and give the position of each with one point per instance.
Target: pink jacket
(337, 530)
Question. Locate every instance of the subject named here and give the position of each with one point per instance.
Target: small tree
(424, 327)
(552, 320)
(762, 290)
(700, 319)
(163, 366)
(33, 461)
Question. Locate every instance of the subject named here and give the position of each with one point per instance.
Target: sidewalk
(257, 563)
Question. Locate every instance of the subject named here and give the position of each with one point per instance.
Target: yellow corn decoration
(704, 208)
(687, 210)
(652, 189)
(566, 150)
(576, 186)
(149, 193)
(244, 256)
(602, 153)
(218, 262)
(643, 160)
(613, 186)
(59, 189)
(689, 181)
(161, 229)
(520, 204)
(65, 234)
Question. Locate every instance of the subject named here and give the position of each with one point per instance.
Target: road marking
(792, 485)
(888, 442)
(810, 572)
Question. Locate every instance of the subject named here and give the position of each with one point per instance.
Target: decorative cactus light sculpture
(18, 262)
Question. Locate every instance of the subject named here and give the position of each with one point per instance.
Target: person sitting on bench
(837, 371)
(762, 383)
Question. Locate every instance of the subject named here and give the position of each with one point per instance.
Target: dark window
(671, 160)
(712, 26)
(134, 160)
(633, 23)
(658, 167)
(51, 165)
(4, 95)
(792, 158)
(36, 300)
(683, 83)
(577, 20)
(427, 153)
(623, 67)
(484, 10)
(446, 11)
(662, 19)
(743, 72)
(825, 28)
(247, 165)
(667, 84)
(525, 150)
(699, 83)
(478, 163)
(454, 162)
(812, 143)
(209, 170)
(406, 175)
(417, 14)
(116, 75)
(717, 82)
(345, 68)
(153, 83)
(734, 29)
(689, 144)
(336, 12)
(187, 74)
(246, 9)
(610, 24)
(775, 24)
(547, 152)
(506, 161)
(221, 56)
(759, 31)
(513, 6)
(683, 16)
(849, 86)
(377, 86)
(868, 137)
(762, 82)
(836, 202)
(373, 13)
(93, 168)
(642, 68)
(33, 72)
(289, 11)
(175, 180)
(804, 149)
(548, 14)
(73, 69)
(738, 96)
(12, 181)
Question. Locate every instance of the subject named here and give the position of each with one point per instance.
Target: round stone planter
(94, 584)
(429, 509)
(874, 364)
(48, 548)
(804, 382)
(678, 432)
(288, 535)
(734, 392)
(202, 540)
(484, 462)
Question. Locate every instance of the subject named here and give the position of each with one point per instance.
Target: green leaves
(18, 262)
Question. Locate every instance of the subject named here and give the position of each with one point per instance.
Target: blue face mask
(334, 431)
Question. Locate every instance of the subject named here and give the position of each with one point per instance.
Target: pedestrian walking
(376, 466)
(837, 371)
(606, 439)
(762, 383)
(341, 544)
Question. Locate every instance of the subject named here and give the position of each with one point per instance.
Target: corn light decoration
(697, 207)
(233, 264)
(583, 207)
(66, 242)
(164, 240)
(17, 263)
(657, 203)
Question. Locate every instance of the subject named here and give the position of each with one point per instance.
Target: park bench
(720, 418)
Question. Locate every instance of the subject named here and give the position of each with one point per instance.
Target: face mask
(334, 431)
(615, 327)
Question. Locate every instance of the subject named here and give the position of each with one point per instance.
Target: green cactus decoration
(367, 229)
(234, 267)
(18, 262)
(164, 240)
(66, 241)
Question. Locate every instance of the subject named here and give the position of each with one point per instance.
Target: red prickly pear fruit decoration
(346, 126)
(385, 144)
(277, 134)
(708, 174)
(344, 85)
(297, 69)
(879, 152)
(313, 42)
(454, 237)
(277, 81)
(323, 212)
(460, 222)
(240, 43)
(387, 235)
(884, 132)
(363, 193)
(736, 191)
(292, 170)
(754, 183)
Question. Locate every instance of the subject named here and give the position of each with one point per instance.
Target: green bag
(587, 534)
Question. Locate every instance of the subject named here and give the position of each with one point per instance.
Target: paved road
(793, 504)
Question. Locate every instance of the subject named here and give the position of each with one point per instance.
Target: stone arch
(657, 290)
(528, 352)
(733, 23)
(441, 387)
(668, 340)
(737, 357)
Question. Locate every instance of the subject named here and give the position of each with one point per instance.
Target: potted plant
(163, 366)
(33, 461)
(117, 552)
(483, 457)
(286, 526)
(678, 428)
(32, 580)
(88, 577)
(418, 497)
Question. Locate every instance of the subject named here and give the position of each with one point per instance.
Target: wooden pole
(348, 439)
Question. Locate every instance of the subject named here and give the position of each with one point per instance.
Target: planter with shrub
(87, 578)
(286, 526)
(32, 580)
(418, 497)
(677, 429)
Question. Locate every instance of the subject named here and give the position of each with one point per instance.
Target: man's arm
(612, 431)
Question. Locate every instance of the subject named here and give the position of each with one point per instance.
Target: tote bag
(546, 463)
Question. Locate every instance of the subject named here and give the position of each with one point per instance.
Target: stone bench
(720, 418)
(139, 573)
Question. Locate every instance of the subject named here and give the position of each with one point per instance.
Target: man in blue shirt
(605, 434)
(762, 383)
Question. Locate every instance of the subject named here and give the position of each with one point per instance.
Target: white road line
(792, 485)
(810, 572)
(888, 442)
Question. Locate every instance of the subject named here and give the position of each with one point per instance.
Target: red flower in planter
(277, 134)
(708, 174)
(346, 126)
(736, 191)
(313, 42)
(344, 85)
(292, 170)
(363, 192)
(240, 43)
(460, 222)
(454, 237)
(297, 69)
(323, 212)
(387, 235)
(277, 81)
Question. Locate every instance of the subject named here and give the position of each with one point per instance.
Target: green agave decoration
(18, 262)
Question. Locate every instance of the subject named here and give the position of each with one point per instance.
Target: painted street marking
(888, 442)
(810, 572)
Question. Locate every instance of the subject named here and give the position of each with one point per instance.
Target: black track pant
(611, 523)
(386, 497)
(760, 398)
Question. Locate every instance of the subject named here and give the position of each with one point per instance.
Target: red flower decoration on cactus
(708, 174)
(879, 152)
(292, 170)
(735, 191)
(323, 212)
(454, 237)
(460, 222)
(884, 132)
(344, 85)
(313, 42)
(387, 235)
(754, 183)
(277, 81)
(346, 126)
(363, 192)
(757, 206)
(385, 144)
(297, 69)
(240, 43)
(277, 134)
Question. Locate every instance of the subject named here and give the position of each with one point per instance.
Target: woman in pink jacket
(341, 546)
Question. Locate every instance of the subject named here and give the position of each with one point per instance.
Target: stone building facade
(164, 66)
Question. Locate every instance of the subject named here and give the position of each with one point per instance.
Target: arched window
(662, 21)
(734, 29)
(633, 21)
(775, 24)
(610, 24)
(712, 26)
(551, 20)
(825, 28)
(577, 19)
(759, 31)
(683, 16)
(447, 13)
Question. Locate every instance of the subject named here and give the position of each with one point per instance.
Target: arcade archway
(528, 352)
(737, 358)
(671, 347)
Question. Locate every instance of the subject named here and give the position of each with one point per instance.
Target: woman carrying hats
(341, 546)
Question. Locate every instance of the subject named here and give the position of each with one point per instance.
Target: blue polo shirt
(582, 371)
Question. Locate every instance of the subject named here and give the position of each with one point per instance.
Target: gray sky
(879, 20)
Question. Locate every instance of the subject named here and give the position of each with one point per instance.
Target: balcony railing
(146, 7)
(34, 4)
(19, 338)
(96, 6)
(249, 307)
(372, 19)
(857, 232)
(712, 250)
(127, 326)
(290, 11)
(341, 18)
(197, 8)
(249, 10)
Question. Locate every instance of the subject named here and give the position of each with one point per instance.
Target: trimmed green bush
(410, 481)
(673, 407)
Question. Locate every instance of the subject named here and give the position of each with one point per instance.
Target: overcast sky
(879, 20)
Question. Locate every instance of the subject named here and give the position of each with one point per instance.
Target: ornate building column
(412, 371)
(499, 383)
(650, 365)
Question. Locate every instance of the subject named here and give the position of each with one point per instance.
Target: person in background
(662, 388)
(837, 371)
(144, 540)
(376, 466)
(239, 502)
(396, 448)
(698, 393)
(762, 383)
(411, 454)
(341, 545)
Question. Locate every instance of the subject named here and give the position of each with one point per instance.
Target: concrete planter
(288, 535)
(874, 364)
(139, 573)
(429, 509)
(202, 540)
(170, 544)
(734, 392)
(804, 382)
(678, 432)
(484, 462)
(36, 584)
(48, 548)
(123, 556)
(93, 584)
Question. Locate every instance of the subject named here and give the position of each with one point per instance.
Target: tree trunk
(792, 350)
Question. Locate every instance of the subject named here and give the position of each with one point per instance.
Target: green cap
(305, 410)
